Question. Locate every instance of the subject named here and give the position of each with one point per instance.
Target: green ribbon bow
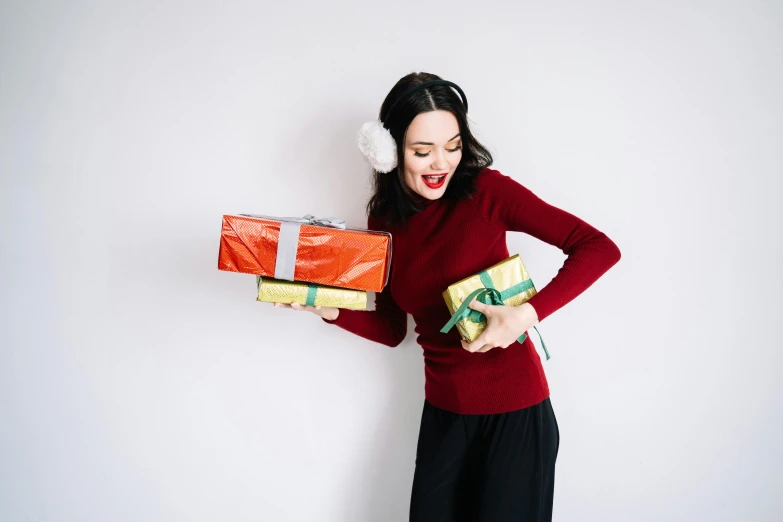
(490, 296)
(312, 291)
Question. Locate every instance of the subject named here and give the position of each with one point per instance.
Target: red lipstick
(435, 181)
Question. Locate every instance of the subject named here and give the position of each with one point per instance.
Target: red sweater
(451, 240)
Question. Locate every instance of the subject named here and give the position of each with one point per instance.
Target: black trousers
(485, 468)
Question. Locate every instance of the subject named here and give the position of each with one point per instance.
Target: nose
(439, 161)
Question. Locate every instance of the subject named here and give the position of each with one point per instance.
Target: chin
(433, 194)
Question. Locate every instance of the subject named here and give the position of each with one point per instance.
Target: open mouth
(434, 181)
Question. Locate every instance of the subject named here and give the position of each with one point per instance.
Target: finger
(477, 344)
(302, 308)
(282, 305)
(477, 305)
(485, 348)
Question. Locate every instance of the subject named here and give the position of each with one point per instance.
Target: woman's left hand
(504, 325)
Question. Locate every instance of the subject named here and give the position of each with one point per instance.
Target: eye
(424, 155)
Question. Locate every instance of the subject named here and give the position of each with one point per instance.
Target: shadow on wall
(388, 472)
(330, 164)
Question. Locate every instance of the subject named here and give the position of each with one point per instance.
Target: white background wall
(139, 383)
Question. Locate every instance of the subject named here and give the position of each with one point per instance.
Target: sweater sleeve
(387, 324)
(590, 253)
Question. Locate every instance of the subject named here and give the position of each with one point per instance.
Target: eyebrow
(428, 143)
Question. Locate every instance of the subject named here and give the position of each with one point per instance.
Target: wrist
(331, 314)
(529, 316)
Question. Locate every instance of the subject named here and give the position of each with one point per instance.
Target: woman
(489, 438)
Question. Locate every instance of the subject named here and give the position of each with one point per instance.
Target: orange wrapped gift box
(321, 251)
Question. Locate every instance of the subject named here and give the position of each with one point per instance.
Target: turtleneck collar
(425, 203)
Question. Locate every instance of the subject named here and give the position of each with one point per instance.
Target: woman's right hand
(326, 312)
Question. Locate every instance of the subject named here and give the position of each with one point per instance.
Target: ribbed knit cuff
(544, 308)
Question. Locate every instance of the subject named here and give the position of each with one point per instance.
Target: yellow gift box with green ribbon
(278, 291)
(504, 284)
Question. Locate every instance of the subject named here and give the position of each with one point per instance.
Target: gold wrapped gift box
(277, 291)
(507, 283)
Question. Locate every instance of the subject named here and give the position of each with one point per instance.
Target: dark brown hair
(392, 199)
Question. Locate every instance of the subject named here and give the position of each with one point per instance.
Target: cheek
(415, 165)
